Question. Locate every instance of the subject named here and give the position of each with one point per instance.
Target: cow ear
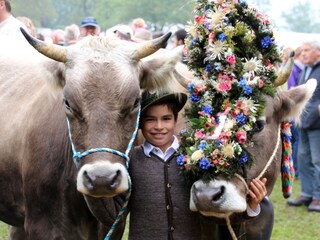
(293, 101)
(157, 71)
(57, 72)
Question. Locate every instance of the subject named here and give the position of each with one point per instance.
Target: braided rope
(232, 233)
(78, 155)
(234, 237)
(273, 154)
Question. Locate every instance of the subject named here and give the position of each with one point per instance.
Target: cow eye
(67, 105)
(259, 125)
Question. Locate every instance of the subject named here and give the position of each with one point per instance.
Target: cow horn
(53, 51)
(284, 74)
(146, 48)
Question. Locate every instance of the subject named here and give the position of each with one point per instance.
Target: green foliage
(300, 18)
(60, 13)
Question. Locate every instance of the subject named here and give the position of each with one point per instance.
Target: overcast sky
(279, 6)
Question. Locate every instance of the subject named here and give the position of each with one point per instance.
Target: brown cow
(222, 198)
(96, 85)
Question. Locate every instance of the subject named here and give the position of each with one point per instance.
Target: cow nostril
(116, 180)
(87, 181)
(219, 194)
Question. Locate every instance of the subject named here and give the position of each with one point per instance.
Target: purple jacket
(294, 77)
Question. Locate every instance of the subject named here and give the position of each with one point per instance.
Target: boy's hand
(257, 192)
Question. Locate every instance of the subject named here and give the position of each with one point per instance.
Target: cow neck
(78, 155)
(232, 233)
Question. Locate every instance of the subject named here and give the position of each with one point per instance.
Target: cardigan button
(169, 185)
(168, 207)
(172, 228)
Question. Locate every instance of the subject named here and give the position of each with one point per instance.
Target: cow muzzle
(218, 198)
(102, 179)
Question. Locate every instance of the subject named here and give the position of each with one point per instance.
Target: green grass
(290, 222)
(293, 222)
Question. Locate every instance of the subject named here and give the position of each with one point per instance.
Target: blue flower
(207, 109)
(183, 131)
(208, 69)
(222, 37)
(180, 160)
(244, 158)
(242, 82)
(193, 43)
(247, 90)
(241, 119)
(219, 143)
(204, 164)
(266, 41)
(202, 145)
(208, 26)
(190, 87)
(194, 98)
(216, 67)
(243, 2)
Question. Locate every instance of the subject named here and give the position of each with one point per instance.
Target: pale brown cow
(96, 84)
(224, 198)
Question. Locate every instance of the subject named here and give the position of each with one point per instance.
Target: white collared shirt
(148, 148)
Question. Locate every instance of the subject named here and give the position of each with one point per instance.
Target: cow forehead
(99, 67)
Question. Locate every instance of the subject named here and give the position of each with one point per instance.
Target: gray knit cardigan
(159, 202)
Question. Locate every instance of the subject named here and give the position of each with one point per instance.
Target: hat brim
(90, 25)
(179, 98)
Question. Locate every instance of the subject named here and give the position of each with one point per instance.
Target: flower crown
(230, 49)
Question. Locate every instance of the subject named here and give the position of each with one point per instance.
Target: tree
(59, 13)
(299, 19)
(157, 13)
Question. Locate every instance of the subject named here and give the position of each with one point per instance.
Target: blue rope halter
(78, 155)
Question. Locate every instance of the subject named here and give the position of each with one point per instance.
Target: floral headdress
(230, 48)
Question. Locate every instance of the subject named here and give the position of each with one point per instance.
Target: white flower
(216, 16)
(192, 29)
(253, 66)
(229, 124)
(214, 51)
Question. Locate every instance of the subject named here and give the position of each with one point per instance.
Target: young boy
(159, 204)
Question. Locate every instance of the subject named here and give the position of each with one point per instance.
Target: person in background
(178, 40)
(9, 25)
(89, 26)
(159, 204)
(293, 81)
(141, 35)
(138, 23)
(71, 34)
(123, 32)
(29, 24)
(57, 37)
(309, 132)
(179, 37)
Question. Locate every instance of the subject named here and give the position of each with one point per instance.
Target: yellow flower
(197, 155)
(228, 150)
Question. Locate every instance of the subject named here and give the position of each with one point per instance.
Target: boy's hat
(151, 98)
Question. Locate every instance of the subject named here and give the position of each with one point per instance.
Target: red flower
(241, 136)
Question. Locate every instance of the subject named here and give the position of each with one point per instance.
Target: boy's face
(158, 125)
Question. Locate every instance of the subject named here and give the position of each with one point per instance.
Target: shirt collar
(148, 147)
